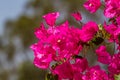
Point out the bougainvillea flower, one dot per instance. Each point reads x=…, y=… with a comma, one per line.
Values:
x=64, y=71
x=92, y=5
x=44, y=54
x=80, y=65
x=117, y=35
x=59, y=46
x=61, y=38
x=114, y=66
x=112, y=8
x=118, y=20
x=77, y=76
x=41, y=33
x=50, y=18
x=42, y=63
x=103, y=56
x=95, y=74
x=77, y=16
x=88, y=31
x=111, y=30
x=67, y=71
x=109, y=12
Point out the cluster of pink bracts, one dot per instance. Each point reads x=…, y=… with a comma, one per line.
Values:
x=59, y=46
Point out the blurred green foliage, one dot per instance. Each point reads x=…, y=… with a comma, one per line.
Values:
x=117, y=77
x=4, y=75
x=28, y=71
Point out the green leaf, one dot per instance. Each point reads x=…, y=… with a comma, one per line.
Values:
x=119, y=37
x=49, y=76
x=97, y=40
x=117, y=77
x=100, y=27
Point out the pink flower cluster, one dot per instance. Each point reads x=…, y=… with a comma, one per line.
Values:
x=112, y=8
x=59, y=42
x=113, y=62
x=60, y=47
x=92, y=5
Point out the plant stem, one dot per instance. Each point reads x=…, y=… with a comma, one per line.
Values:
x=114, y=47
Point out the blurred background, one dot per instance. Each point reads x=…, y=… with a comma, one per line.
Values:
x=18, y=18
